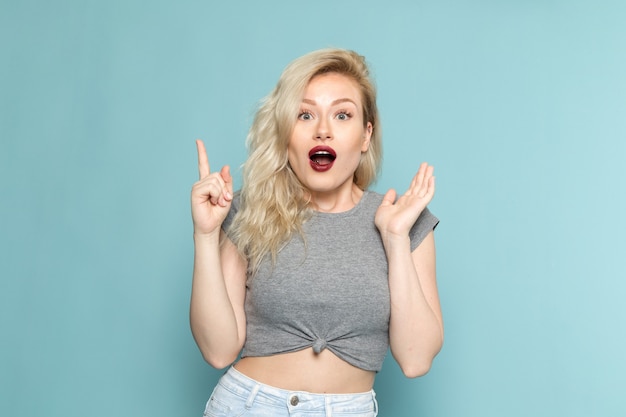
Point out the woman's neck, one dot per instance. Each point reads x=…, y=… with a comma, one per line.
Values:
x=337, y=201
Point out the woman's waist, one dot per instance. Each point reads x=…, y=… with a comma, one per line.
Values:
x=307, y=371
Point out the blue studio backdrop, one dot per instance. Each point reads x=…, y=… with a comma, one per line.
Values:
x=520, y=105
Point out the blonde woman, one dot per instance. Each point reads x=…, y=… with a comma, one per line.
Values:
x=306, y=273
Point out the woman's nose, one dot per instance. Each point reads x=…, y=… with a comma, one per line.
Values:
x=323, y=130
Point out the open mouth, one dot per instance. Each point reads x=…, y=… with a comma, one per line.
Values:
x=322, y=158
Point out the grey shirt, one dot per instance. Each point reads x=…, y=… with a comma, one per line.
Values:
x=328, y=293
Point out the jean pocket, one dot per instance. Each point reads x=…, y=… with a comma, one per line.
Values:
x=224, y=404
x=363, y=406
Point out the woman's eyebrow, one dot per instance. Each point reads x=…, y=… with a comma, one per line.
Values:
x=338, y=101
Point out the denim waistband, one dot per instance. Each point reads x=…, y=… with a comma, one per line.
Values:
x=252, y=391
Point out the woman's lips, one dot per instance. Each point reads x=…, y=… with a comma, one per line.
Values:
x=322, y=158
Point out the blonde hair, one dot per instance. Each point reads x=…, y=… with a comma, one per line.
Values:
x=274, y=203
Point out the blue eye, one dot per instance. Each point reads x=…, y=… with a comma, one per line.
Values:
x=344, y=116
x=305, y=115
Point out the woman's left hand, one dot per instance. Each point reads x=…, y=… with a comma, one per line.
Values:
x=394, y=219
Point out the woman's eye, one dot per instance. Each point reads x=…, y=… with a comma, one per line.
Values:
x=305, y=115
x=343, y=116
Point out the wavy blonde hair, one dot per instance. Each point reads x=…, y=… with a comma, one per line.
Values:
x=274, y=203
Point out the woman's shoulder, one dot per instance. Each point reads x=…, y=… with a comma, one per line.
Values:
x=371, y=198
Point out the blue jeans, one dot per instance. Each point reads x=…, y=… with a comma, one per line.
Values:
x=236, y=395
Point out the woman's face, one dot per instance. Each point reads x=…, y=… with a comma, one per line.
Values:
x=330, y=134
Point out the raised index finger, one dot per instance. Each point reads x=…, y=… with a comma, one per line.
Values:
x=203, y=160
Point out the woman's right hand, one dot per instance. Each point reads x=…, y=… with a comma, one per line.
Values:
x=211, y=196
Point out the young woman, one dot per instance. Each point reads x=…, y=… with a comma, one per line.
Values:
x=306, y=273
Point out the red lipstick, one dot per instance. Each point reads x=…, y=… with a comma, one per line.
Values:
x=322, y=158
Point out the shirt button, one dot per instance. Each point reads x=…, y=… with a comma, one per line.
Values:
x=294, y=400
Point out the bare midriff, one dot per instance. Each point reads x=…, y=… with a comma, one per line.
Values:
x=305, y=370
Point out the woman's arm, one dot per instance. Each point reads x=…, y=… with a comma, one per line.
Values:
x=217, y=317
x=416, y=324
x=216, y=313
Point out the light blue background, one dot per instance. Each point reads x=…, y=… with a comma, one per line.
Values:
x=520, y=105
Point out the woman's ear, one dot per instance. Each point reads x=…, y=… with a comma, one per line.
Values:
x=367, y=135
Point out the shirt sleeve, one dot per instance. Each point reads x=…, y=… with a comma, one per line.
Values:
x=425, y=223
